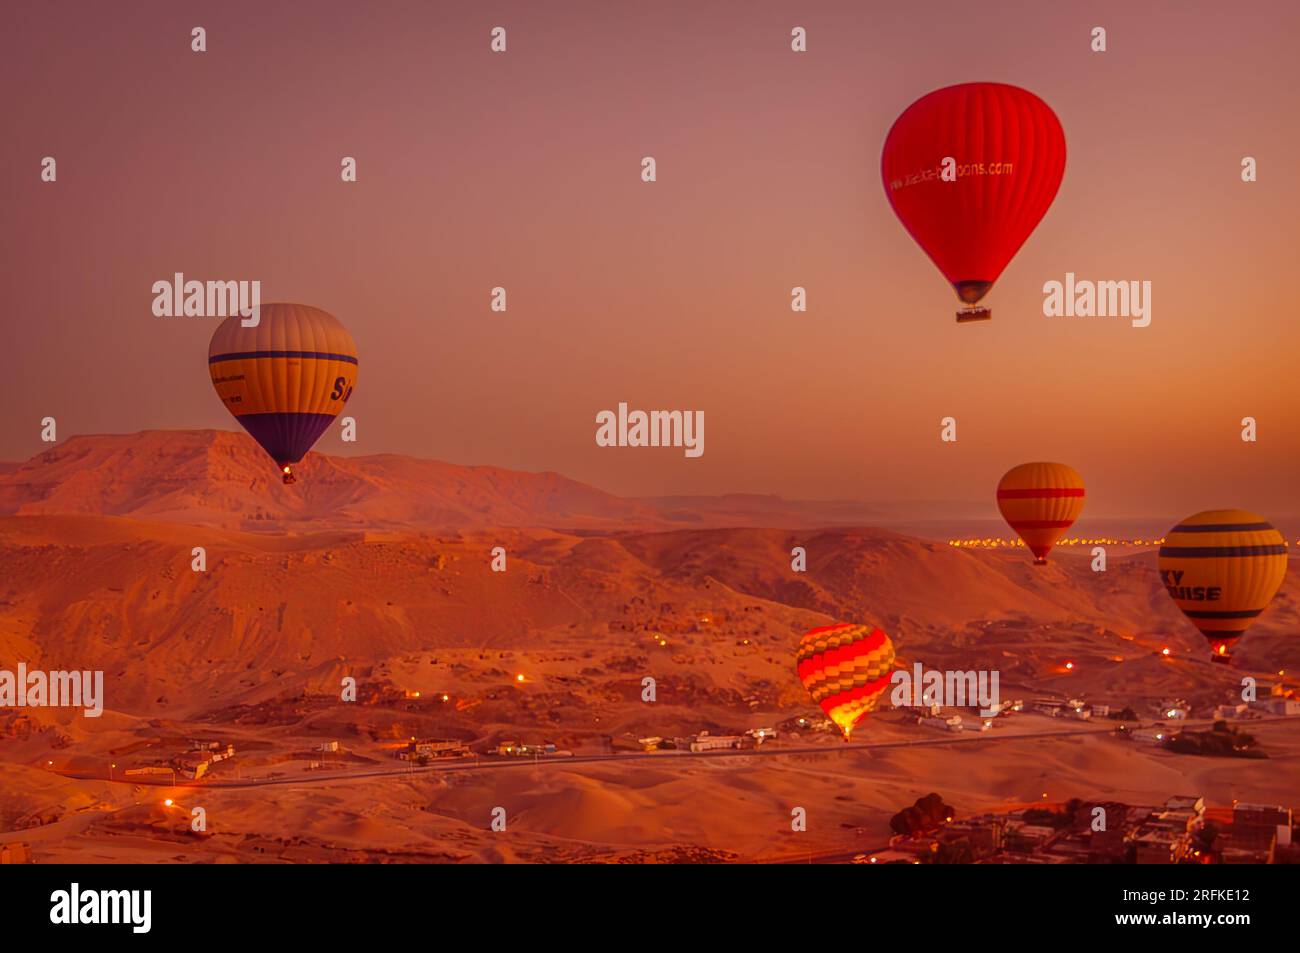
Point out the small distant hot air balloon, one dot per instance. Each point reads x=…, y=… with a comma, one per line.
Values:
x=285, y=379
x=846, y=668
x=1222, y=568
x=970, y=171
x=1040, y=501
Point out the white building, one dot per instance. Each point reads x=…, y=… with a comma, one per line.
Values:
x=707, y=742
x=1278, y=705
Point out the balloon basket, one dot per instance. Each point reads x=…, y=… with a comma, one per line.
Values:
x=973, y=314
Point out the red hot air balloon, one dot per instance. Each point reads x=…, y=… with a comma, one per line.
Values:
x=970, y=171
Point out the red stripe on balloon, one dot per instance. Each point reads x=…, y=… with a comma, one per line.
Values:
x=853, y=694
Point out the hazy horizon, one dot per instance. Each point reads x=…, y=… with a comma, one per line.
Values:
x=923, y=518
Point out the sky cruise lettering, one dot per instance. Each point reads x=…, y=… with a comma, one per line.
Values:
x=1196, y=593
x=1173, y=581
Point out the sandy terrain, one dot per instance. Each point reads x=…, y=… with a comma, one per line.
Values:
x=95, y=573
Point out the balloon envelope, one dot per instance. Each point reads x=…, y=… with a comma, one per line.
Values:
x=1040, y=501
x=1222, y=568
x=285, y=379
x=846, y=668
x=1008, y=156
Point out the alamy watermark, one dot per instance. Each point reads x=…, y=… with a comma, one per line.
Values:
x=55, y=689
x=1081, y=298
x=922, y=688
x=208, y=299
x=654, y=428
x=133, y=908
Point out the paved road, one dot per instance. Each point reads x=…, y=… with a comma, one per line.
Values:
x=770, y=750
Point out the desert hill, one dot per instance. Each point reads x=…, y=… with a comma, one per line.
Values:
x=379, y=568
x=368, y=560
x=217, y=478
x=220, y=478
x=120, y=595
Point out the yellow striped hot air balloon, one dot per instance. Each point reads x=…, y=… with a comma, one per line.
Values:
x=284, y=379
x=846, y=668
x=1040, y=501
x=1222, y=568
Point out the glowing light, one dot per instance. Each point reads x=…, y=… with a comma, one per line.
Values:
x=1165, y=650
x=1069, y=666
x=519, y=678
x=995, y=542
x=168, y=802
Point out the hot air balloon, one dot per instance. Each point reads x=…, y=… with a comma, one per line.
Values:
x=1040, y=501
x=284, y=379
x=970, y=171
x=846, y=668
x=1222, y=568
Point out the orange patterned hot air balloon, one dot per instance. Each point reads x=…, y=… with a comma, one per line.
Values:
x=1040, y=501
x=846, y=668
x=1222, y=568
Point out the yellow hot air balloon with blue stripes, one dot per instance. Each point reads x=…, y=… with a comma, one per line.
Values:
x=285, y=378
x=1222, y=568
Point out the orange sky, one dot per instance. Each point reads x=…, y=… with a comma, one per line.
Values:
x=522, y=170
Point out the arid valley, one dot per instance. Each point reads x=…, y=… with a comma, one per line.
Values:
x=380, y=570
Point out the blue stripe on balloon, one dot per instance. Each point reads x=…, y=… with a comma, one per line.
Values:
x=286, y=437
x=315, y=355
